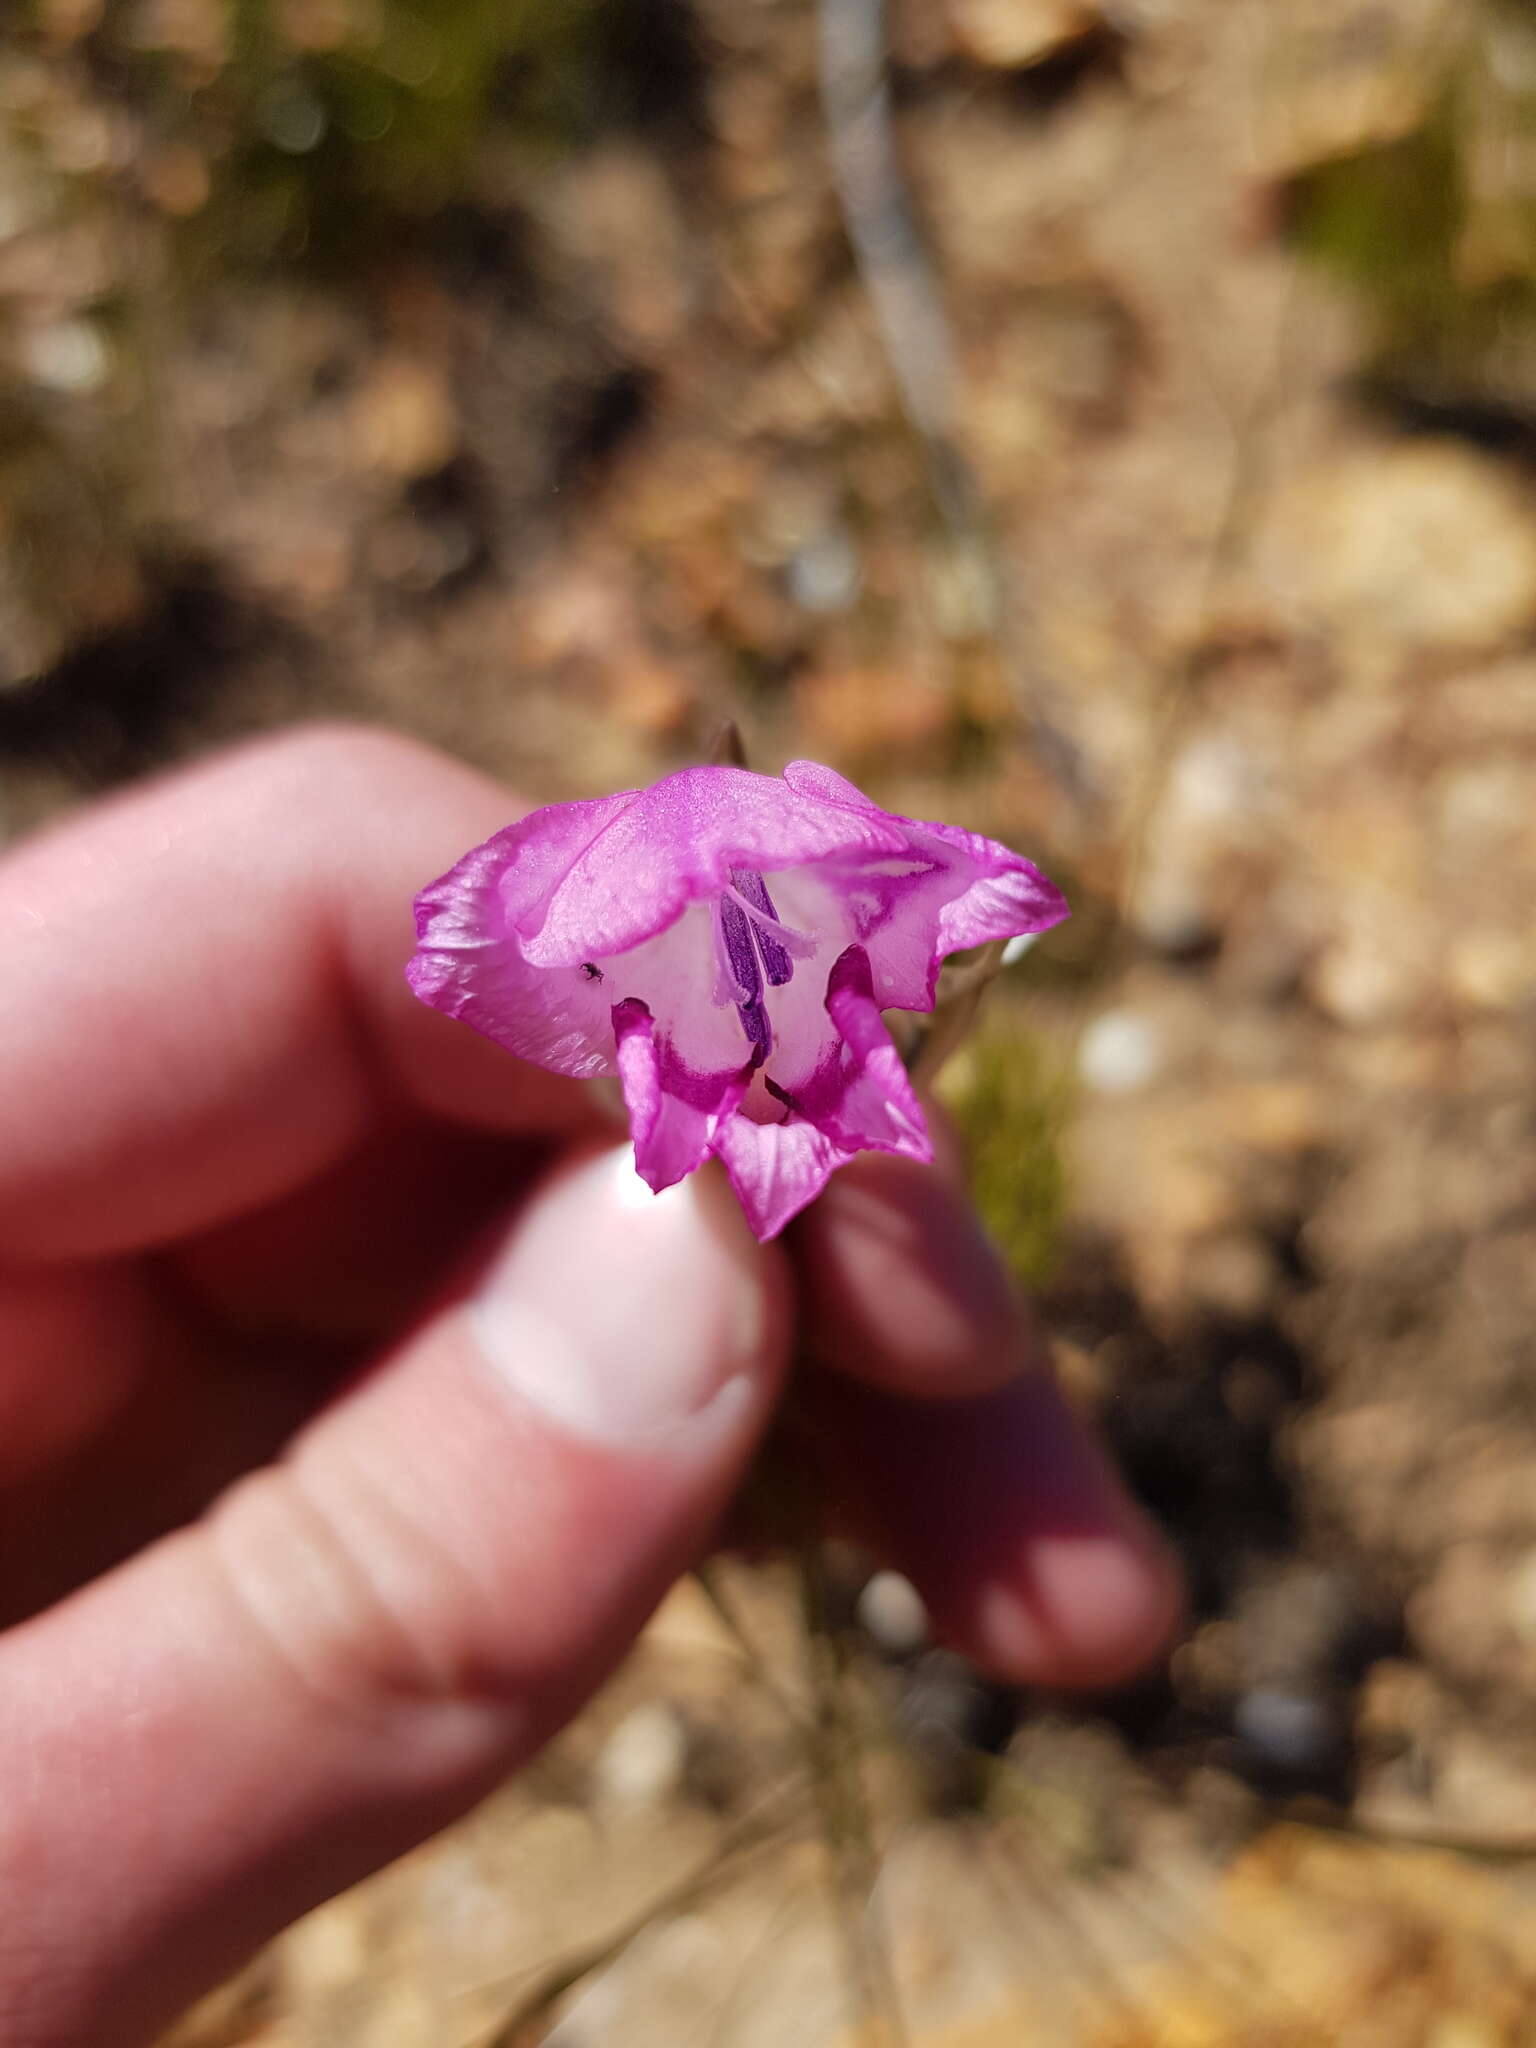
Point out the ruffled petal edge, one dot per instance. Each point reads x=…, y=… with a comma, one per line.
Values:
x=997, y=893
x=860, y=1100
x=468, y=964
x=677, y=1116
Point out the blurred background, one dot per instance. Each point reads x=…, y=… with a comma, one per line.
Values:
x=1109, y=426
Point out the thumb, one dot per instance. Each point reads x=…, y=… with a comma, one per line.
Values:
x=359, y=1642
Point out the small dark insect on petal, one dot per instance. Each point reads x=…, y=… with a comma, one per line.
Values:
x=592, y=973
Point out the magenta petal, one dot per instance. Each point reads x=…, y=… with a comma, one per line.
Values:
x=776, y=1169
x=1005, y=897
x=469, y=965
x=537, y=852
x=863, y=1099
x=952, y=890
x=675, y=1114
x=810, y=778
x=858, y=1100
x=676, y=843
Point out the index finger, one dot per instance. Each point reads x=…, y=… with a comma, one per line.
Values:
x=203, y=1004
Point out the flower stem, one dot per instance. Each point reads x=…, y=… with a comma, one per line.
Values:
x=832, y=1748
x=783, y=1507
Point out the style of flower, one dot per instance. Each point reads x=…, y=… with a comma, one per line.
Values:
x=724, y=942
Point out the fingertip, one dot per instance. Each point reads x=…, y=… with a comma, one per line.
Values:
x=1008, y=1517
x=1077, y=1613
x=1055, y=1576
x=621, y=1314
x=903, y=1288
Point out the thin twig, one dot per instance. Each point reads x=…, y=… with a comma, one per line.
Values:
x=894, y=267
x=707, y=1578
x=768, y=1825
x=1242, y=497
x=832, y=1753
x=907, y=301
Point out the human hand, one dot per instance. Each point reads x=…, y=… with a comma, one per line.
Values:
x=357, y=1403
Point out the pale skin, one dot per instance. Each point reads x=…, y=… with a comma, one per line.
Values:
x=353, y=1411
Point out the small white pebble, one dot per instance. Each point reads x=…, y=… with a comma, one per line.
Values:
x=642, y=1762
x=1119, y=1053
x=892, y=1614
x=825, y=574
x=1214, y=778
x=70, y=355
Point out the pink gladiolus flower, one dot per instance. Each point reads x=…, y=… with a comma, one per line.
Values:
x=724, y=943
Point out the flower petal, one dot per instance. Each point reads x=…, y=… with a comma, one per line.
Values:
x=676, y=1113
x=811, y=778
x=536, y=853
x=863, y=1098
x=675, y=975
x=856, y=1098
x=1007, y=894
x=677, y=842
x=776, y=1169
x=951, y=889
x=469, y=965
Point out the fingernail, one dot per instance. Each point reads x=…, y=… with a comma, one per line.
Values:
x=618, y=1313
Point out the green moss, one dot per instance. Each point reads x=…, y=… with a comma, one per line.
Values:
x=1010, y=1099
x=1390, y=219
x=321, y=148
x=1443, y=253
